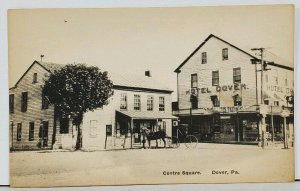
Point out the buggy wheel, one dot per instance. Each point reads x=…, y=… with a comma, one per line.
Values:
x=191, y=141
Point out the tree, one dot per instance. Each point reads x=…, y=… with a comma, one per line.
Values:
x=76, y=89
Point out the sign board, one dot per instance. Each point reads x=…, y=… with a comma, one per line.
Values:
x=285, y=113
x=263, y=109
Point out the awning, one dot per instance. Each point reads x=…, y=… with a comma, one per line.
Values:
x=146, y=115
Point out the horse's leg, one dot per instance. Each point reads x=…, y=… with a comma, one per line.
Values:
x=164, y=142
x=148, y=143
x=156, y=143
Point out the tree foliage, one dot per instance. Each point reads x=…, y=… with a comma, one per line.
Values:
x=76, y=89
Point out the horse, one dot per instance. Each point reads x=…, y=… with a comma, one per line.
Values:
x=153, y=136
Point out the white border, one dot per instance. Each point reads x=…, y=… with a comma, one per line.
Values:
x=10, y=4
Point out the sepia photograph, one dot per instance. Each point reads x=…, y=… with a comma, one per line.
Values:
x=127, y=96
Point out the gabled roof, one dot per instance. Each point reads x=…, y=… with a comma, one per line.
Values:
x=49, y=67
x=177, y=70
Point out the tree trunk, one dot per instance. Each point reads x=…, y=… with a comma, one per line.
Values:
x=54, y=127
x=79, y=138
x=77, y=122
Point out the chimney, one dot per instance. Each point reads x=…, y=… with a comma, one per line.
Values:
x=147, y=73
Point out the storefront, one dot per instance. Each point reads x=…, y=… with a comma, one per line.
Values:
x=129, y=124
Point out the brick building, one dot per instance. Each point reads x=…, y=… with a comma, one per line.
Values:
x=219, y=99
x=137, y=101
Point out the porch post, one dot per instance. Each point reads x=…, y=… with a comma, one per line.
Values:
x=272, y=123
x=131, y=129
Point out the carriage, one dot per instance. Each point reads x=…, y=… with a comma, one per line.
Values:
x=182, y=136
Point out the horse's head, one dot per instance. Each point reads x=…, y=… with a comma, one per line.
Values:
x=145, y=130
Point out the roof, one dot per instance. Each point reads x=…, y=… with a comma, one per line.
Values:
x=147, y=115
x=49, y=67
x=277, y=62
x=120, y=81
x=137, y=81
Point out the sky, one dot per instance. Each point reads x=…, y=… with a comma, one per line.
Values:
x=132, y=40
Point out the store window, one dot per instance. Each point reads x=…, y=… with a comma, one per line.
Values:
x=204, y=58
x=236, y=75
x=225, y=53
x=215, y=78
x=194, y=80
x=123, y=101
x=137, y=102
x=161, y=105
x=31, y=131
x=149, y=103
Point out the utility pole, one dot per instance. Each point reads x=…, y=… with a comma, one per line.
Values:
x=262, y=128
x=261, y=50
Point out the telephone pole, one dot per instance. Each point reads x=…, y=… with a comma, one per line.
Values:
x=262, y=126
x=261, y=50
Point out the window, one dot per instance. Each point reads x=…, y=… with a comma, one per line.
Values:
x=19, y=131
x=34, y=80
x=164, y=126
x=215, y=101
x=11, y=103
x=194, y=81
x=45, y=101
x=266, y=102
x=286, y=80
x=276, y=80
x=237, y=100
x=31, y=131
x=93, y=128
x=64, y=125
x=24, y=101
x=123, y=101
x=137, y=102
x=225, y=54
x=215, y=78
x=236, y=75
x=161, y=105
x=194, y=101
x=276, y=77
x=149, y=103
x=109, y=130
x=204, y=58
x=276, y=103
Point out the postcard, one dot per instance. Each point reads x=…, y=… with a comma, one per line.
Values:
x=119, y=96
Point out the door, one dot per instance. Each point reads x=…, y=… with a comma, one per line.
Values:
x=43, y=134
x=136, y=132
